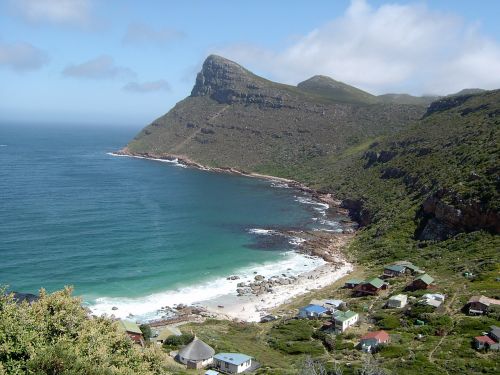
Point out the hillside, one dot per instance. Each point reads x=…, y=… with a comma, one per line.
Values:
x=234, y=118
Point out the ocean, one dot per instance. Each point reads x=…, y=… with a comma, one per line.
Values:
x=134, y=233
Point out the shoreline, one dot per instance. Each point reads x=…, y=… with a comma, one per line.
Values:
x=256, y=303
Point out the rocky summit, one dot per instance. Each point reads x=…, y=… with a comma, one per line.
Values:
x=234, y=118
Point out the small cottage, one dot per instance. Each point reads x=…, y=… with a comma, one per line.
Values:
x=394, y=270
x=398, y=301
x=344, y=319
x=196, y=354
x=484, y=343
x=409, y=267
x=232, y=363
x=370, y=287
x=432, y=299
x=494, y=333
x=480, y=304
x=422, y=282
x=132, y=330
x=372, y=340
x=352, y=283
x=312, y=312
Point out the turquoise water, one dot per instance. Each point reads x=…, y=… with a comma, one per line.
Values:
x=117, y=227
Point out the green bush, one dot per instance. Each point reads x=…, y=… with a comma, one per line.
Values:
x=174, y=342
x=146, y=331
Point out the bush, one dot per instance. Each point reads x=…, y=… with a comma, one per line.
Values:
x=393, y=351
x=146, y=331
x=174, y=342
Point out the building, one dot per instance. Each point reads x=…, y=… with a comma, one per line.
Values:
x=132, y=330
x=352, y=283
x=422, y=282
x=373, y=340
x=394, y=270
x=211, y=372
x=480, y=304
x=484, y=343
x=329, y=304
x=432, y=299
x=232, y=363
x=344, y=319
x=312, y=311
x=370, y=287
x=196, y=354
x=494, y=333
x=409, y=267
x=398, y=301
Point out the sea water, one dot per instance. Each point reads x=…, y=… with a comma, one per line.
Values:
x=134, y=233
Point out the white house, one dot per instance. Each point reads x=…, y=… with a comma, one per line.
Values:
x=312, y=311
x=398, y=301
x=232, y=363
x=344, y=320
x=433, y=299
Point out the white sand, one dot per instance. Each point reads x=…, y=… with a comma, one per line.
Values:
x=252, y=308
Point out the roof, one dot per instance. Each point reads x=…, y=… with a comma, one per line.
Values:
x=484, y=300
x=399, y=297
x=432, y=302
x=129, y=326
x=378, y=335
x=495, y=331
x=344, y=315
x=425, y=278
x=412, y=267
x=211, y=372
x=315, y=309
x=395, y=267
x=334, y=302
x=484, y=340
x=197, y=350
x=354, y=281
x=376, y=282
x=233, y=358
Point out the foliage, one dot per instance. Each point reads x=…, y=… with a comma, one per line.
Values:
x=146, y=331
x=54, y=335
x=175, y=342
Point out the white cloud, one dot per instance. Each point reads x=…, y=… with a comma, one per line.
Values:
x=72, y=12
x=22, y=57
x=390, y=48
x=145, y=87
x=140, y=34
x=102, y=67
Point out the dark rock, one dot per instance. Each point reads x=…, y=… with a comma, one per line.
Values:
x=392, y=172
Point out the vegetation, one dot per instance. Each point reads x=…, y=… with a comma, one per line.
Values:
x=55, y=335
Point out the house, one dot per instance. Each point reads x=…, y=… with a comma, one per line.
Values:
x=329, y=304
x=160, y=336
x=410, y=267
x=352, y=283
x=494, y=333
x=344, y=319
x=370, y=287
x=312, y=311
x=372, y=340
x=132, y=330
x=484, y=342
x=422, y=282
x=232, y=363
x=432, y=299
x=480, y=304
x=196, y=354
x=398, y=301
x=394, y=270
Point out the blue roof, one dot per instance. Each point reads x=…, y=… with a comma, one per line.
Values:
x=233, y=358
x=315, y=309
x=211, y=372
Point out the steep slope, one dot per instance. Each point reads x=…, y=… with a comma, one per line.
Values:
x=234, y=118
x=335, y=90
x=407, y=99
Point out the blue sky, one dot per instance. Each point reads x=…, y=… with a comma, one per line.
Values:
x=128, y=62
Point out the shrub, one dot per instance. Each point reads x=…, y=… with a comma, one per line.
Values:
x=174, y=342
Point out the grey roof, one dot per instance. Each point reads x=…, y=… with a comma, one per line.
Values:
x=395, y=267
x=197, y=350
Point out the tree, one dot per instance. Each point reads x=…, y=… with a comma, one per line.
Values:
x=146, y=331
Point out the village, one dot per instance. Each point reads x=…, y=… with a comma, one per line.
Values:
x=355, y=318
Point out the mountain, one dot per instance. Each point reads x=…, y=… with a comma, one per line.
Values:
x=236, y=119
x=407, y=99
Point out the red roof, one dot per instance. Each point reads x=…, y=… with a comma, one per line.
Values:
x=484, y=340
x=380, y=336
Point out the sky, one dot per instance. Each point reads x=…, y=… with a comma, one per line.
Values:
x=125, y=62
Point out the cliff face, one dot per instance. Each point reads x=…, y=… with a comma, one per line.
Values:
x=234, y=118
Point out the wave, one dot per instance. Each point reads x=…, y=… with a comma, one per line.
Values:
x=149, y=307
x=3, y=145
x=263, y=232
x=173, y=161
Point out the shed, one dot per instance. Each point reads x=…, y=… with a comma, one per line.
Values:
x=352, y=283
x=370, y=287
x=484, y=342
x=422, y=282
x=480, y=304
x=433, y=299
x=372, y=340
x=398, y=301
x=312, y=311
x=132, y=330
x=394, y=270
x=196, y=354
x=233, y=363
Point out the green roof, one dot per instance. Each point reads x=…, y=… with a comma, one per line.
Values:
x=395, y=267
x=413, y=267
x=344, y=315
x=425, y=278
x=376, y=282
x=129, y=326
x=354, y=281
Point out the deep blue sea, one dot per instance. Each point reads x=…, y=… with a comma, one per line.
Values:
x=133, y=232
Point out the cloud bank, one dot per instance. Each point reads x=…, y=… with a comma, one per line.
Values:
x=69, y=12
x=102, y=67
x=146, y=87
x=142, y=34
x=21, y=57
x=390, y=48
